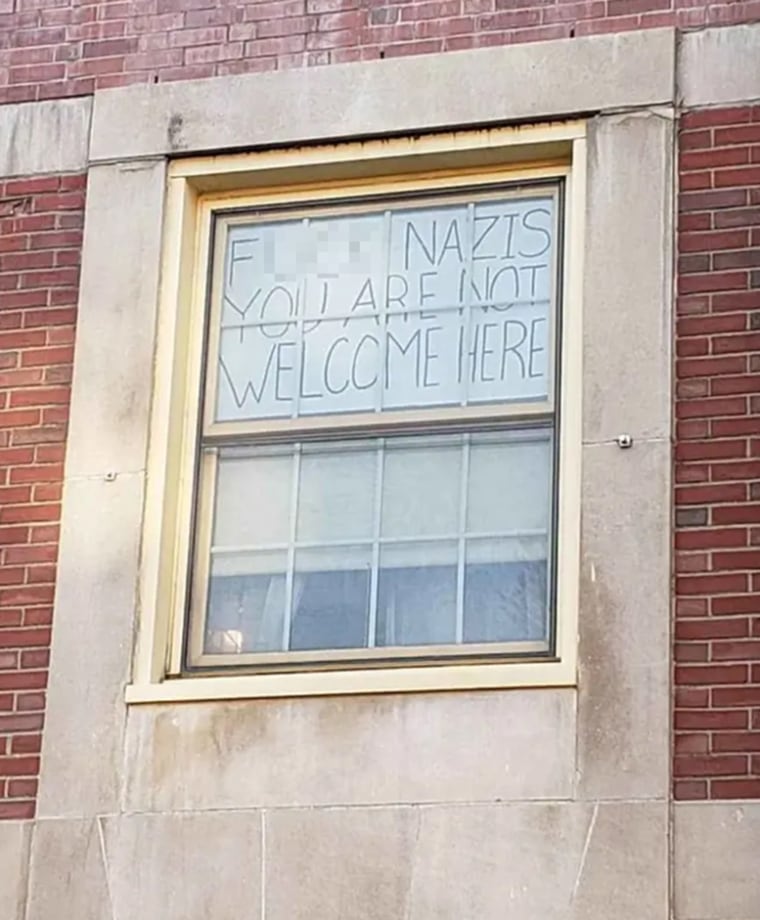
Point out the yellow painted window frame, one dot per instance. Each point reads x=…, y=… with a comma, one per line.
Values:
x=199, y=186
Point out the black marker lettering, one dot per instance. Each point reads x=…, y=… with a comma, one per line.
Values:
x=326, y=370
x=401, y=281
x=507, y=272
x=537, y=229
x=508, y=252
x=533, y=271
x=452, y=242
x=430, y=356
x=249, y=389
x=511, y=348
x=354, y=381
x=281, y=368
x=277, y=331
x=403, y=349
x=365, y=298
x=429, y=253
x=492, y=220
x=426, y=295
x=485, y=351
x=533, y=349
x=301, y=392
x=237, y=247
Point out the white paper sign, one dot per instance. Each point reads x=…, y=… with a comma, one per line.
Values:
x=431, y=306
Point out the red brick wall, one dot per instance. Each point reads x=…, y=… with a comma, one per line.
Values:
x=717, y=674
x=40, y=242
x=70, y=47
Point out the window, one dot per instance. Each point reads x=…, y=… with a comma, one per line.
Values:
x=427, y=534
x=373, y=470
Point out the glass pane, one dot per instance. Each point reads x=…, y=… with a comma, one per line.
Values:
x=454, y=548
x=421, y=486
x=331, y=598
x=246, y=603
x=257, y=371
x=389, y=308
x=336, y=494
x=417, y=594
x=253, y=495
x=509, y=487
x=505, y=590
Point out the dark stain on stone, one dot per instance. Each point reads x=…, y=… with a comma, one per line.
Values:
x=174, y=132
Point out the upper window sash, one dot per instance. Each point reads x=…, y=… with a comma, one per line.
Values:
x=383, y=313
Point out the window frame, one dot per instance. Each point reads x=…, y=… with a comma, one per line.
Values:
x=200, y=187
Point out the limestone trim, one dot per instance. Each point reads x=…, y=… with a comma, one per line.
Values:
x=715, y=859
x=526, y=82
x=179, y=350
x=44, y=137
x=719, y=66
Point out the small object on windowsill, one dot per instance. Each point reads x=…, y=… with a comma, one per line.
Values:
x=624, y=441
x=225, y=642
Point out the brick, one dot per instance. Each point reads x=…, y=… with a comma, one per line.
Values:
x=16, y=811
x=711, y=675
x=729, y=492
x=737, y=217
x=736, y=135
x=707, y=325
x=716, y=117
x=730, y=742
x=732, y=651
x=737, y=514
x=26, y=638
x=22, y=788
x=710, y=765
x=711, y=367
x=712, y=200
x=711, y=719
x=691, y=744
x=741, y=176
x=690, y=790
x=735, y=789
x=725, y=344
x=24, y=722
x=736, y=696
x=704, y=408
x=734, y=605
x=691, y=517
x=19, y=766
x=712, y=158
x=711, y=628
x=697, y=697
x=744, y=258
x=743, y=383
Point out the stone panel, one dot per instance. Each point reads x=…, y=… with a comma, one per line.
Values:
x=527, y=81
x=719, y=66
x=556, y=861
x=118, y=302
x=67, y=872
x=82, y=757
x=14, y=857
x=717, y=860
x=185, y=867
x=624, y=643
x=627, y=313
x=465, y=746
x=44, y=137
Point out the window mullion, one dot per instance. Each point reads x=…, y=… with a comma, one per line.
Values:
x=375, y=573
x=290, y=572
x=461, y=543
